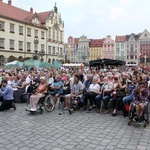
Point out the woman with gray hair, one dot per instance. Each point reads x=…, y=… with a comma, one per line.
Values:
x=93, y=91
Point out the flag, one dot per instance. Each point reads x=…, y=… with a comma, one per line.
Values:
x=75, y=48
x=140, y=56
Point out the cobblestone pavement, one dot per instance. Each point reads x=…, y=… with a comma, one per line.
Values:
x=51, y=131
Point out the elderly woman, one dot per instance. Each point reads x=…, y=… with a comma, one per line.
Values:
x=106, y=95
x=41, y=89
x=93, y=91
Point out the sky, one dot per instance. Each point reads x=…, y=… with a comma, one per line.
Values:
x=96, y=18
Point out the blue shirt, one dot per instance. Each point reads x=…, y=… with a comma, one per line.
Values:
x=56, y=84
x=7, y=93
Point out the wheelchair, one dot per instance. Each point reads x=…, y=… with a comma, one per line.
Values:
x=145, y=117
x=46, y=102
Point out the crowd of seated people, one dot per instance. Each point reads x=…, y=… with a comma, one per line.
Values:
x=112, y=88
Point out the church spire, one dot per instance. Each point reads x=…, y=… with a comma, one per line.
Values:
x=55, y=8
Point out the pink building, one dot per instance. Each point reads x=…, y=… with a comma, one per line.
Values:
x=108, y=48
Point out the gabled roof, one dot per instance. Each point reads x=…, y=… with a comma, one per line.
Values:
x=20, y=15
x=96, y=42
x=76, y=40
x=120, y=38
x=43, y=16
x=136, y=36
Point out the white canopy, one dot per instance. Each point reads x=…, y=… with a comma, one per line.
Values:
x=73, y=65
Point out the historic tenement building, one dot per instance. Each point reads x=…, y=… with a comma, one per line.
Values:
x=108, y=48
x=132, y=48
x=83, y=50
x=144, y=41
x=96, y=46
x=120, y=44
x=25, y=34
x=71, y=48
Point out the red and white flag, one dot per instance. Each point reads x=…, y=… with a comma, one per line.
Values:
x=140, y=56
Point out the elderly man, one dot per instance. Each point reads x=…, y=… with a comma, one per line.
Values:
x=7, y=92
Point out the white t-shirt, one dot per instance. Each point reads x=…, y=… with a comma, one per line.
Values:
x=94, y=87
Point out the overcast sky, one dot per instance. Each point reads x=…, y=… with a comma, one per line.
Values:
x=96, y=18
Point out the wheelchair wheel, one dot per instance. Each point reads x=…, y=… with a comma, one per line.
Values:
x=49, y=103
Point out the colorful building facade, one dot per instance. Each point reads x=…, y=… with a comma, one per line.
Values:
x=95, y=51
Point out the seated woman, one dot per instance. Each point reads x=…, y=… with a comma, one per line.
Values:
x=57, y=88
x=106, y=94
x=93, y=91
x=67, y=85
x=20, y=89
x=40, y=90
x=119, y=95
x=140, y=100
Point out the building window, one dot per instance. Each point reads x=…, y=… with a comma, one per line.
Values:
x=42, y=35
x=2, y=43
x=49, y=49
x=12, y=28
x=36, y=47
x=53, y=50
x=42, y=47
x=61, y=40
x=2, y=26
x=20, y=45
x=21, y=30
x=61, y=51
x=53, y=34
x=57, y=35
x=49, y=33
x=12, y=44
x=36, y=33
x=28, y=46
x=28, y=31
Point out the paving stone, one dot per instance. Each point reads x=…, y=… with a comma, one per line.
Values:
x=80, y=130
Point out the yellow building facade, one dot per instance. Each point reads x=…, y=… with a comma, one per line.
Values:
x=30, y=35
x=95, y=50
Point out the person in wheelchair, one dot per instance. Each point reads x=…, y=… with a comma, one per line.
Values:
x=57, y=88
x=40, y=90
x=140, y=100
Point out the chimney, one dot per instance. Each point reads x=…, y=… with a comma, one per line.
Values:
x=9, y=2
x=31, y=10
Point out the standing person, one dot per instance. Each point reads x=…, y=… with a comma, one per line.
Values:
x=7, y=92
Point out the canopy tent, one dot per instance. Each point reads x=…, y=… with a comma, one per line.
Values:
x=15, y=63
x=45, y=65
x=72, y=65
x=57, y=64
x=101, y=62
